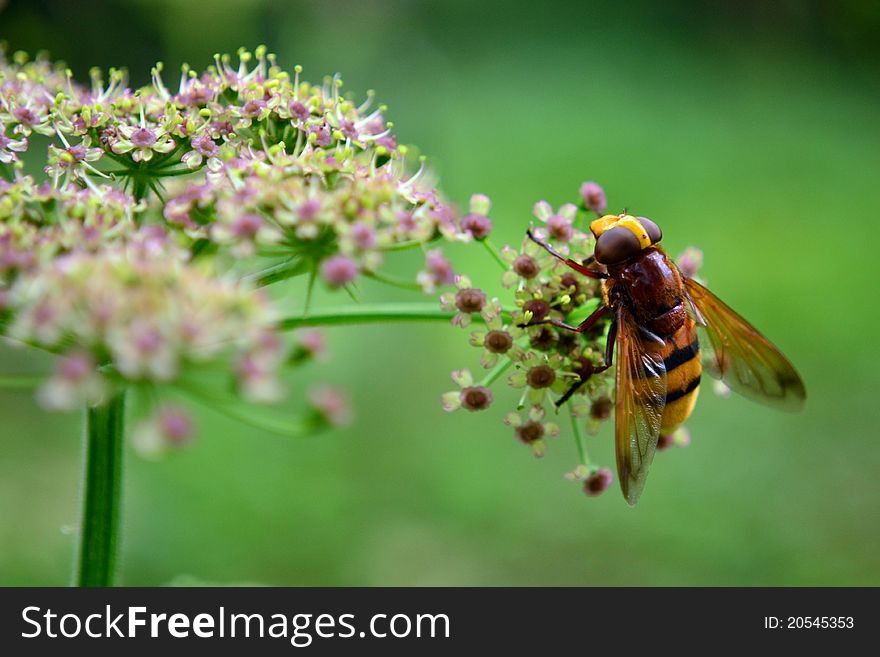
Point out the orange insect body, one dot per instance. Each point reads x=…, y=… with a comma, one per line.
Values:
x=657, y=313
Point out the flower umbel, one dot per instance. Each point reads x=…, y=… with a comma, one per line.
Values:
x=548, y=365
x=140, y=258
x=140, y=252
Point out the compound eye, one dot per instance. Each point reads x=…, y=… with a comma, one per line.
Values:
x=616, y=245
x=652, y=229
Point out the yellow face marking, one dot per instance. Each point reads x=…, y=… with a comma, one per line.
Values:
x=610, y=221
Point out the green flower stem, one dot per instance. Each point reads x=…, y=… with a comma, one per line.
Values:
x=496, y=372
x=394, y=281
x=310, y=287
x=403, y=246
x=169, y=159
x=376, y=313
x=21, y=382
x=303, y=426
x=168, y=172
x=102, y=492
x=119, y=159
x=280, y=271
x=155, y=185
x=494, y=253
x=579, y=438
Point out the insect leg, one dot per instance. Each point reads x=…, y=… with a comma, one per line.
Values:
x=585, y=325
x=578, y=267
x=568, y=393
x=609, y=348
x=609, y=359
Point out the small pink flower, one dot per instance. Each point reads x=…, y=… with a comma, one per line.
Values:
x=320, y=135
x=364, y=236
x=467, y=301
x=438, y=271
x=254, y=108
x=593, y=197
x=246, y=226
x=598, y=482
x=471, y=397
x=73, y=368
x=26, y=116
x=338, y=270
x=308, y=209
x=477, y=226
x=477, y=223
x=299, y=111
x=176, y=425
x=690, y=261
x=143, y=138
x=312, y=342
x=9, y=148
x=332, y=404
x=559, y=225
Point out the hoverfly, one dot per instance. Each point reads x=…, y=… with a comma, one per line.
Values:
x=656, y=312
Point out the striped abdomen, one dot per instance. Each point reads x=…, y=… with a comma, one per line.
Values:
x=681, y=356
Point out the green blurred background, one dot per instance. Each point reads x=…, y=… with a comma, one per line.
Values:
x=749, y=129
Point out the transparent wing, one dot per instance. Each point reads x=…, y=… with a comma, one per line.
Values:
x=640, y=392
x=735, y=352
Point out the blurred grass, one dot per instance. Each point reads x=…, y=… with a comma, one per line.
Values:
x=763, y=151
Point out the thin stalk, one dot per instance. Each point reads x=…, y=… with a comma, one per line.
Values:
x=164, y=161
x=403, y=246
x=494, y=253
x=124, y=161
x=155, y=185
x=375, y=313
x=351, y=291
x=304, y=426
x=579, y=438
x=21, y=381
x=102, y=492
x=167, y=173
x=310, y=288
x=279, y=272
x=394, y=281
x=496, y=372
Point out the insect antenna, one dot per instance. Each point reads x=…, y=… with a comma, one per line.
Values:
x=578, y=267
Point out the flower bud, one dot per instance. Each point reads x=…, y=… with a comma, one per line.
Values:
x=560, y=228
x=338, y=270
x=601, y=409
x=476, y=398
x=526, y=266
x=545, y=339
x=598, y=482
x=541, y=376
x=470, y=300
x=175, y=425
x=690, y=261
x=498, y=342
x=332, y=404
x=593, y=197
x=530, y=432
x=538, y=307
x=480, y=204
x=477, y=226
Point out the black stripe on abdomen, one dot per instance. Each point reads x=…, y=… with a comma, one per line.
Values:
x=674, y=395
x=682, y=356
